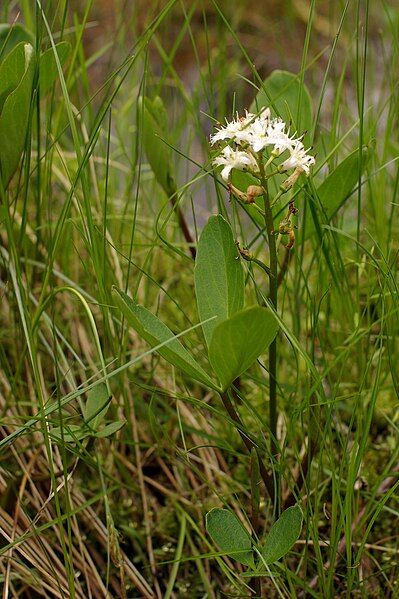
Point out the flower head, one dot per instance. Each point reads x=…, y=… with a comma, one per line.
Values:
x=234, y=130
x=238, y=159
x=298, y=159
x=270, y=134
x=249, y=135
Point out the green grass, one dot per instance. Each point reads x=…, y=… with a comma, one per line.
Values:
x=124, y=516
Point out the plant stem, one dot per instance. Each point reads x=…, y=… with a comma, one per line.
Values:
x=313, y=443
x=249, y=444
x=273, y=282
x=173, y=196
x=284, y=267
x=255, y=583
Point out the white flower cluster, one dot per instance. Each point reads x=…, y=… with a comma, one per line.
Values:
x=241, y=160
x=253, y=133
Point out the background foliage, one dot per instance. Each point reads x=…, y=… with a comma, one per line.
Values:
x=91, y=511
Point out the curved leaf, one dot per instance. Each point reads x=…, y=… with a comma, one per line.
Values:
x=158, y=152
x=334, y=191
x=48, y=66
x=110, y=429
x=238, y=341
x=70, y=433
x=230, y=535
x=97, y=404
x=283, y=534
x=11, y=36
x=218, y=275
x=14, y=119
x=12, y=70
x=154, y=331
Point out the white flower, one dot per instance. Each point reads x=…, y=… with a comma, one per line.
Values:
x=278, y=138
x=233, y=128
x=262, y=120
x=240, y=129
x=299, y=159
x=235, y=159
x=270, y=134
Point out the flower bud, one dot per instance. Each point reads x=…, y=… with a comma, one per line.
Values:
x=292, y=179
x=254, y=191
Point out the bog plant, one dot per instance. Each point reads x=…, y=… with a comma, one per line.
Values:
x=93, y=414
x=234, y=540
x=273, y=410
x=263, y=161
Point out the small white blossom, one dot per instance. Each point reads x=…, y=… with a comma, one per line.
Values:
x=299, y=159
x=233, y=129
x=240, y=129
x=270, y=134
x=261, y=121
x=238, y=159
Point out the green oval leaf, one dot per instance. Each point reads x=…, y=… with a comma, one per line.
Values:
x=238, y=341
x=12, y=70
x=14, y=119
x=48, y=65
x=158, y=152
x=283, y=534
x=110, y=429
x=154, y=331
x=11, y=36
x=230, y=535
x=70, y=433
x=334, y=191
x=289, y=99
x=96, y=406
x=218, y=274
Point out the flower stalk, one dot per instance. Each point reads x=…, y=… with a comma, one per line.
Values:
x=259, y=144
x=273, y=267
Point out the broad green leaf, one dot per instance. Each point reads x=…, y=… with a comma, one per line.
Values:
x=12, y=70
x=153, y=135
x=110, y=429
x=14, y=120
x=335, y=190
x=48, y=66
x=230, y=535
x=69, y=433
x=218, y=274
x=238, y=341
x=283, y=93
x=96, y=406
x=154, y=331
x=158, y=112
x=283, y=534
x=11, y=36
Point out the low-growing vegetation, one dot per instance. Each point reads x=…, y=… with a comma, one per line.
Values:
x=199, y=367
